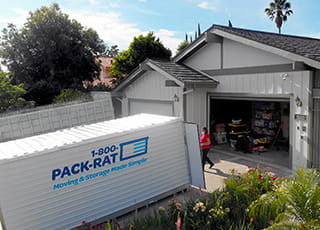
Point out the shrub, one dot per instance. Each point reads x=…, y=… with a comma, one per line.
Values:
x=11, y=96
x=242, y=189
x=251, y=201
x=207, y=214
x=68, y=95
x=292, y=204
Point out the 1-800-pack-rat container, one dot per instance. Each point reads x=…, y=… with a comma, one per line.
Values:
x=56, y=180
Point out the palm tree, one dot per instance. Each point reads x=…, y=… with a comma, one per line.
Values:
x=279, y=10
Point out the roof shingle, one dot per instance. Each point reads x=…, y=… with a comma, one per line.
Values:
x=303, y=46
x=181, y=72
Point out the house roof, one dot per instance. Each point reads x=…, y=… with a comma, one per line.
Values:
x=304, y=46
x=293, y=47
x=181, y=74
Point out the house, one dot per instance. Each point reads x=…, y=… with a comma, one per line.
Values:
x=104, y=76
x=244, y=79
x=105, y=64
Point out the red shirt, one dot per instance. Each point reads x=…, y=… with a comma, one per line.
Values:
x=203, y=139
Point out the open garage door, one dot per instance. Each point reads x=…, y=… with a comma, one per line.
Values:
x=259, y=126
x=137, y=106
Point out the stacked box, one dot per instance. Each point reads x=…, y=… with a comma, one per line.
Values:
x=220, y=138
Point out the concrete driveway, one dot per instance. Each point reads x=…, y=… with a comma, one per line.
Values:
x=226, y=161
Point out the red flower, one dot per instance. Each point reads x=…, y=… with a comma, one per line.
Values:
x=249, y=167
x=84, y=222
x=273, y=178
x=260, y=177
x=251, y=218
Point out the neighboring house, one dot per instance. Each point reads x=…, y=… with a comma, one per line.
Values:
x=270, y=81
x=104, y=78
x=105, y=62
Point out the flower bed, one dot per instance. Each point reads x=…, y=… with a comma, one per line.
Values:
x=253, y=200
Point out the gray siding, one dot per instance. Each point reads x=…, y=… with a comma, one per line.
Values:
x=151, y=86
x=315, y=157
x=234, y=55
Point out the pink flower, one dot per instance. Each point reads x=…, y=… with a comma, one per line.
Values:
x=249, y=167
x=117, y=224
x=200, y=191
x=178, y=223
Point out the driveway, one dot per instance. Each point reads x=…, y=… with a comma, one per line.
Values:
x=226, y=161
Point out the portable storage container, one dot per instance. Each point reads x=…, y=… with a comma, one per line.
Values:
x=56, y=180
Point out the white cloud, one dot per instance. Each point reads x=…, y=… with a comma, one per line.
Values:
x=142, y=0
x=207, y=6
x=168, y=40
x=19, y=19
x=94, y=2
x=108, y=25
x=113, y=31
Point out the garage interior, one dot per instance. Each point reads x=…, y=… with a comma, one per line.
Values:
x=259, y=127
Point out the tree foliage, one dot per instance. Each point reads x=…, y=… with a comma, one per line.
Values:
x=279, y=10
x=182, y=45
x=50, y=53
x=111, y=51
x=10, y=95
x=141, y=47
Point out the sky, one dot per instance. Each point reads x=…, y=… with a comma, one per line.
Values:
x=118, y=21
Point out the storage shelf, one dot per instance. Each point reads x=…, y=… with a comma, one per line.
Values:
x=237, y=133
x=236, y=126
x=263, y=127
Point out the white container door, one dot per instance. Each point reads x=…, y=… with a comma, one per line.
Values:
x=193, y=148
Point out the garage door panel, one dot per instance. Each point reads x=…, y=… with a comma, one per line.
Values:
x=151, y=106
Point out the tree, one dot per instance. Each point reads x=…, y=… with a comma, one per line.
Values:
x=182, y=45
x=10, y=95
x=199, y=30
x=50, y=53
x=140, y=48
x=279, y=10
x=111, y=51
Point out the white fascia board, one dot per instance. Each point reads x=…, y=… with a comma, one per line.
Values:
x=189, y=49
x=161, y=71
x=280, y=52
x=127, y=81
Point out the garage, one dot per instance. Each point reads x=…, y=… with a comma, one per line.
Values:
x=137, y=106
x=251, y=125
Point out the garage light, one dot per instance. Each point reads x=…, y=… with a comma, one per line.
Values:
x=175, y=98
x=284, y=76
x=298, y=101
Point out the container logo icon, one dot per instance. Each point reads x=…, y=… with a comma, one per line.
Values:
x=133, y=148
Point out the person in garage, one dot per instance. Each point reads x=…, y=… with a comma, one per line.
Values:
x=205, y=143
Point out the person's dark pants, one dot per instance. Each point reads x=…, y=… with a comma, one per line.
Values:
x=205, y=158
